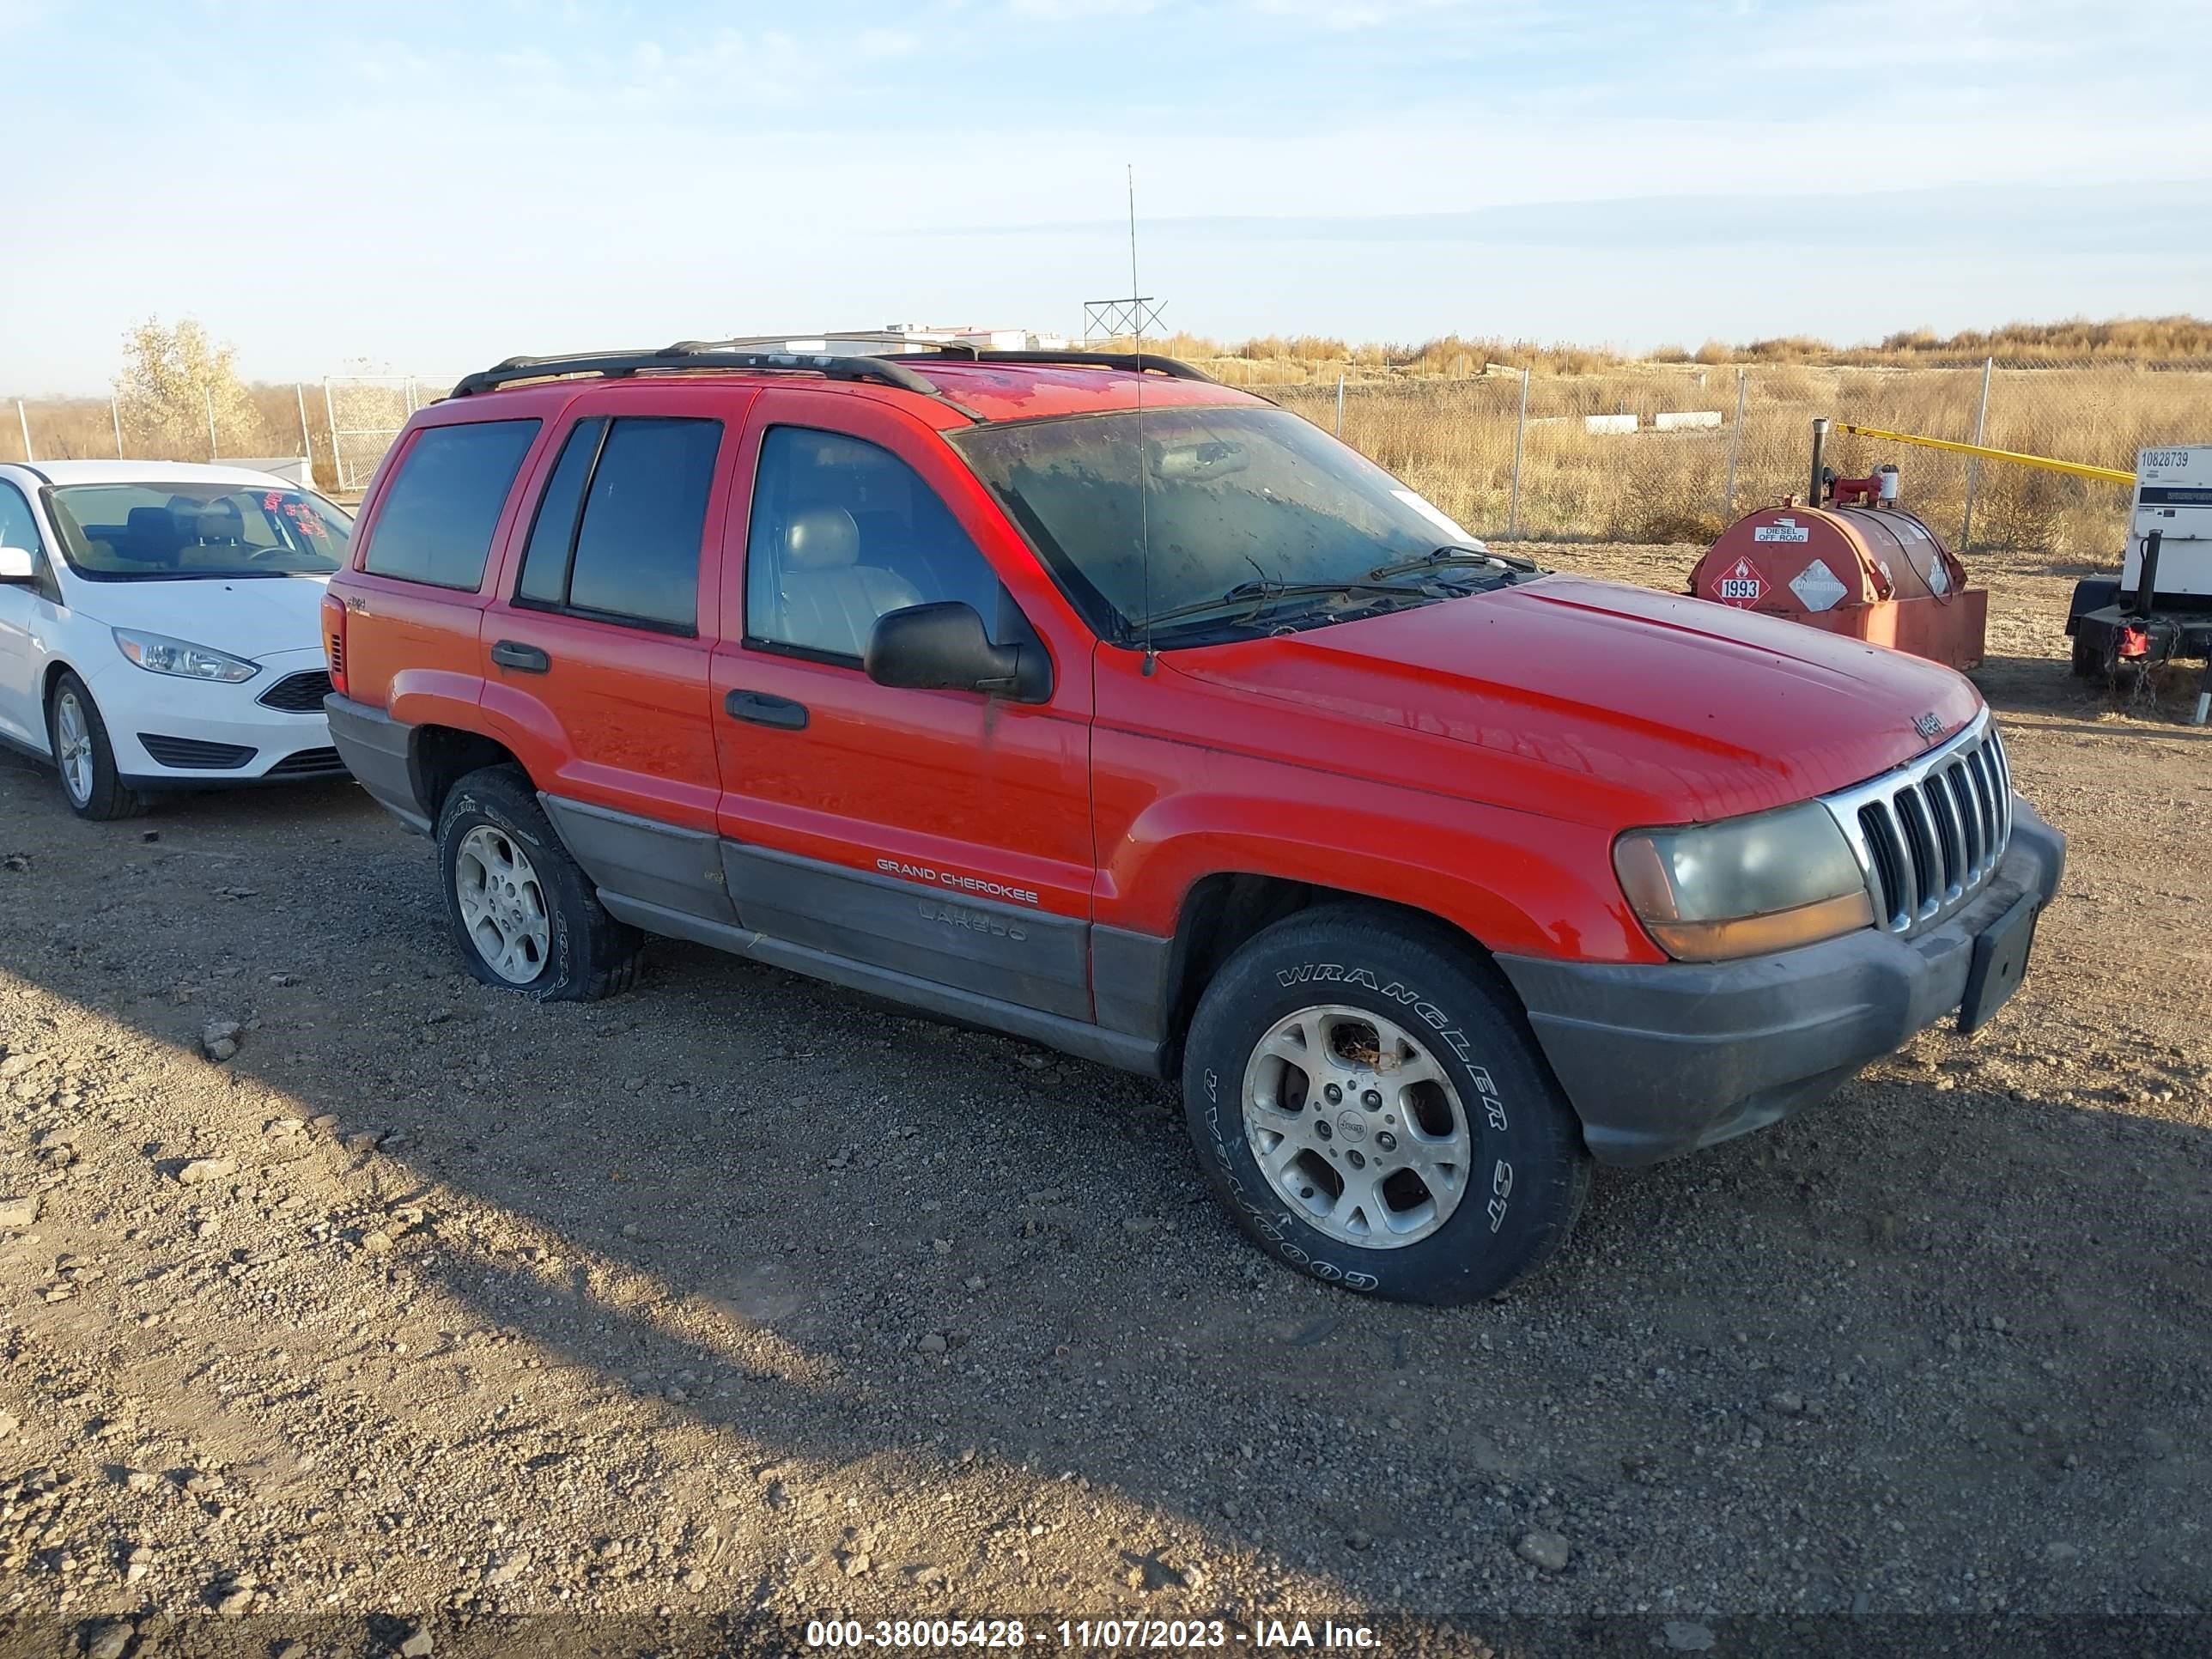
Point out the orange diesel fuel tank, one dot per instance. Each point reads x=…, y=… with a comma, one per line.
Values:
x=1877, y=573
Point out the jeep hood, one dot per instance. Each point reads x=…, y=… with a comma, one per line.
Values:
x=1665, y=708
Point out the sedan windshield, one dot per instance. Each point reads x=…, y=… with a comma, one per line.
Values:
x=1254, y=507
x=181, y=532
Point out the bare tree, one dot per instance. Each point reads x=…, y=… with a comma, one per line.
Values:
x=174, y=381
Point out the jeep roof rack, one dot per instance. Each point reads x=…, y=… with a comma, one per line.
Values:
x=1133, y=362
x=761, y=354
x=698, y=356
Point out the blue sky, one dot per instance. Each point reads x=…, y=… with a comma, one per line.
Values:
x=432, y=187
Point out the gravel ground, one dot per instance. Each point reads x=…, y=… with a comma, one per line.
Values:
x=737, y=1296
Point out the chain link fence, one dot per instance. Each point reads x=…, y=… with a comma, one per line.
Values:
x=363, y=413
x=1636, y=452
x=1661, y=453
x=341, y=425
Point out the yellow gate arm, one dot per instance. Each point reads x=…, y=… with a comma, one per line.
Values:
x=2079, y=469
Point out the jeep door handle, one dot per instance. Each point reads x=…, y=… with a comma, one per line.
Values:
x=523, y=659
x=762, y=709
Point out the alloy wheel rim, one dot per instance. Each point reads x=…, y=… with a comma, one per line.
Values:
x=1357, y=1126
x=74, y=747
x=503, y=908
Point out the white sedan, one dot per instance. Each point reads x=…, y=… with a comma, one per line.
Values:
x=160, y=627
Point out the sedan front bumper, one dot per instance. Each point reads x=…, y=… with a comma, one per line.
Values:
x=170, y=734
x=1661, y=1059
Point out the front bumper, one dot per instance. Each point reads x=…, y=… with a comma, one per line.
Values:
x=1658, y=1061
x=234, y=737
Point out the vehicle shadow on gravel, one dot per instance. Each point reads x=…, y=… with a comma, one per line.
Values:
x=1933, y=1328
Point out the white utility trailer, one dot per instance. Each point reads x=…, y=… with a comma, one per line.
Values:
x=2160, y=607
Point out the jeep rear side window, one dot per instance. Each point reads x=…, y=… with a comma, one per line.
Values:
x=632, y=554
x=553, y=534
x=844, y=531
x=436, y=523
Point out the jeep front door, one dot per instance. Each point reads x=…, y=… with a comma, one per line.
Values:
x=944, y=836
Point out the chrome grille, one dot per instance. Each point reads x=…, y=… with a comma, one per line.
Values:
x=1929, y=834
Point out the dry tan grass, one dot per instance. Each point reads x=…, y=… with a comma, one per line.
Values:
x=1441, y=414
x=1434, y=415
x=1312, y=359
x=1454, y=441
x=83, y=429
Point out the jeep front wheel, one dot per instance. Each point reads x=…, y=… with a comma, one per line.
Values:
x=1372, y=1109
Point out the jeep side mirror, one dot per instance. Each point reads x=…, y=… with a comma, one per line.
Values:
x=17, y=564
x=943, y=647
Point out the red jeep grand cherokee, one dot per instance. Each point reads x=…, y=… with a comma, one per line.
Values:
x=1082, y=698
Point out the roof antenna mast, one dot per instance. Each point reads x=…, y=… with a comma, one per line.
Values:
x=1143, y=524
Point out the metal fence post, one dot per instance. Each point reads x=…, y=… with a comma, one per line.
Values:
x=1340, y=405
x=306, y=443
x=1520, y=432
x=24, y=422
x=115, y=414
x=1735, y=447
x=214, y=449
x=1974, y=463
x=330, y=415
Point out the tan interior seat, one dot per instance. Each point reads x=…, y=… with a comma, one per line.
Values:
x=830, y=600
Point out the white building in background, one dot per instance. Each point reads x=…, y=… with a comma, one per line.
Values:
x=924, y=334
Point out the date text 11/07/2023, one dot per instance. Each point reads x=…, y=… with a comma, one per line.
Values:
x=1126, y=1635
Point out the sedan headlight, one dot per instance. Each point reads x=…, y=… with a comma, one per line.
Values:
x=157, y=653
x=1744, y=886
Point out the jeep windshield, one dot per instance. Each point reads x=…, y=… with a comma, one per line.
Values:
x=1254, y=516
x=184, y=531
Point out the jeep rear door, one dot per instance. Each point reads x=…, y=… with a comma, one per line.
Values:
x=942, y=836
x=596, y=641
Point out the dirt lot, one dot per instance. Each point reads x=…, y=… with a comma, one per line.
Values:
x=734, y=1296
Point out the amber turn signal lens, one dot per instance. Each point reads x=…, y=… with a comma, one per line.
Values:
x=1735, y=887
x=1778, y=930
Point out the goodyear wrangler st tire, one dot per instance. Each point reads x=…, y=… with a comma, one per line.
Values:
x=1367, y=1101
x=525, y=916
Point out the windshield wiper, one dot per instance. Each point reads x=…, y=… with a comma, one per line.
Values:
x=1445, y=558
x=1268, y=590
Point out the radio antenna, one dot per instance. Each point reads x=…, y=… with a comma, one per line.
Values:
x=1143, y=523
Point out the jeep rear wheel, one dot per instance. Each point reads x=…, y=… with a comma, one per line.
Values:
x=526, y=916
x=1368, y=1102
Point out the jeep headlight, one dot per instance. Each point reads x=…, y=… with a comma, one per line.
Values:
x=157, y=653
x=1742, y=886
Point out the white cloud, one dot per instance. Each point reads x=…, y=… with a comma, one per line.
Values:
x=1074, y=11
x=889, y=43
x=1345, y=17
